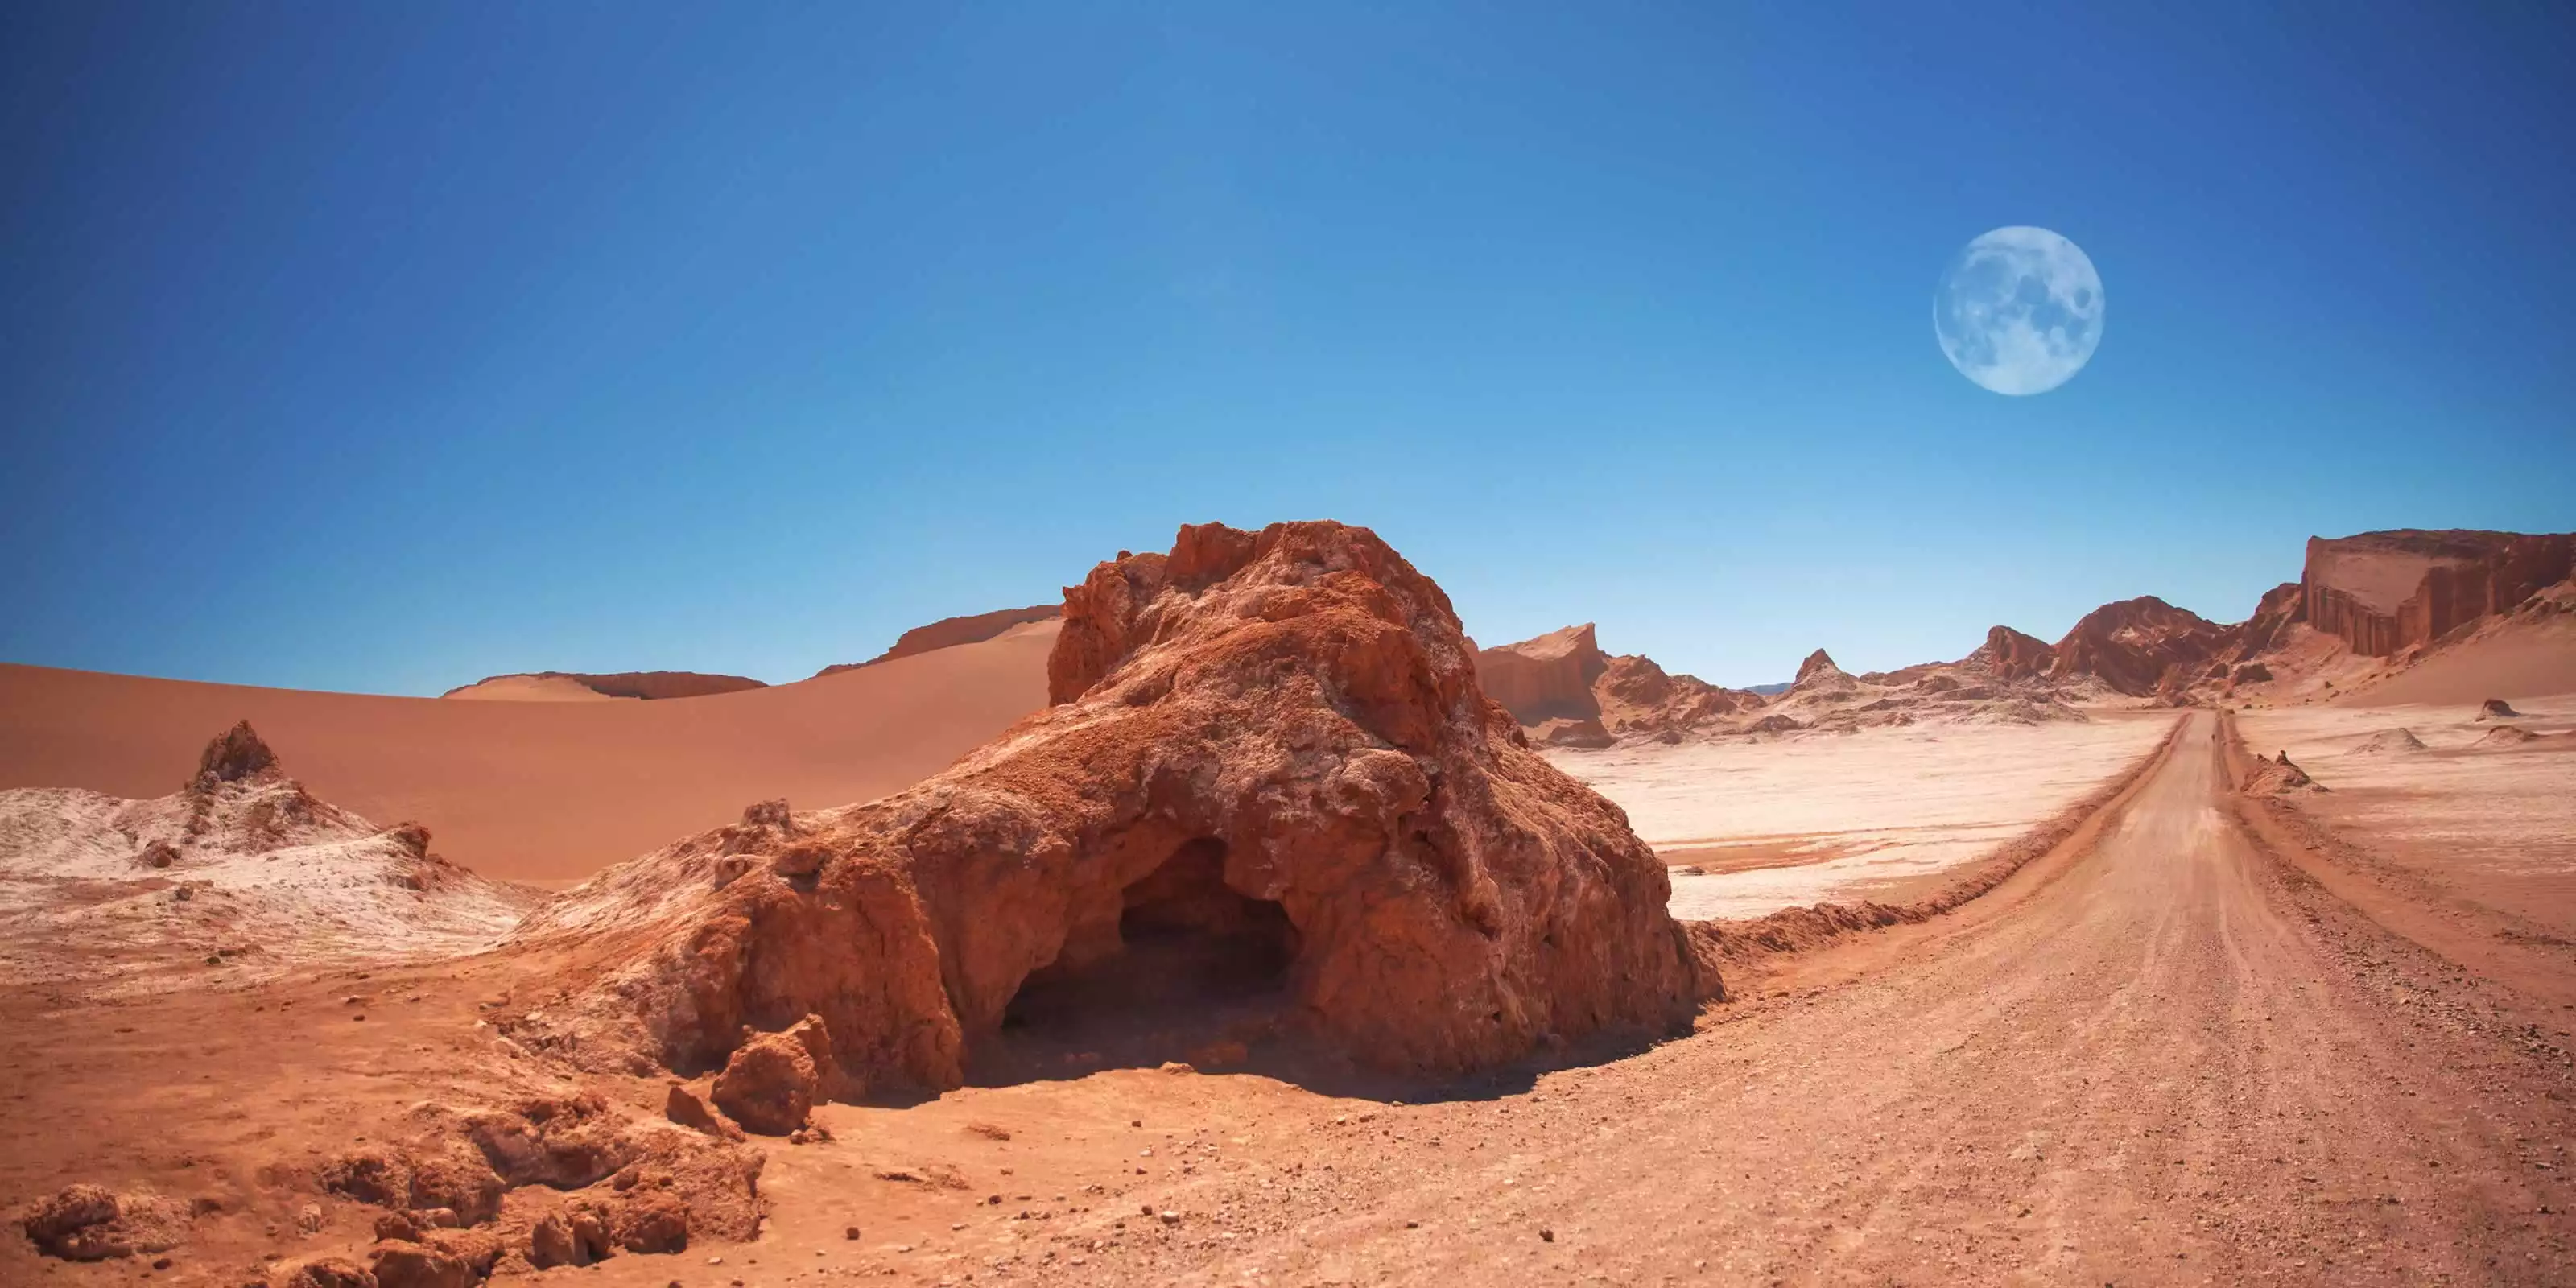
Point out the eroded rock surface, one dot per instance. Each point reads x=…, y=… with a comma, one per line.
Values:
x=1571, y=694
x=1270, y=743
x=2382, y=592
x=95, y=1223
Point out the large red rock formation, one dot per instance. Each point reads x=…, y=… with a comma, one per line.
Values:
x=1546, y=678
x=2383, y=592
x=1269, y=745
x=2131, y=644
x=951, y=631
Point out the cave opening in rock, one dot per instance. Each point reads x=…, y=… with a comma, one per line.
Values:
x=1197, y=965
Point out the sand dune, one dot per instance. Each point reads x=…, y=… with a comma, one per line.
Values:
x=2517, y=660
x=544, y=791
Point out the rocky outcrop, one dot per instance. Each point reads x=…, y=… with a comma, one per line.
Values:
x=236, y=755
x=1637, y=696
x=2129, y=646
x=241, y=868
x=2384, y=592
x=655, y=685
x=2496, y=709
x=2278, y=777
x=95, y=1223
x=555, y=1178
x=1566, y=731
x=1818, y=665
x=948, y=632
x=1268, y=750
x=1545, y=678
x=2010, y=655
x=2390, y=742
x=1564, y=688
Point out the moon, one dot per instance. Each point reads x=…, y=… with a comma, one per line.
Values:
x=2019, y=310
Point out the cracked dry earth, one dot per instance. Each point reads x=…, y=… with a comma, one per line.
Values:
x=2159, y=1055
x=2163, y=1058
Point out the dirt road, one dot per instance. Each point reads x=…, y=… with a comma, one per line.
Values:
x=2165, y=1060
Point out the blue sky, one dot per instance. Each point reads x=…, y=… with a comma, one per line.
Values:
x=383, y=347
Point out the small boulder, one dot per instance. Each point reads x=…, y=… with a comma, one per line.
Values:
x=159, y=854
x=685, y=1107
x=403, y=1264
x=769, y=1084
x=329, y=1272
x=653, y=1221
x=94, y=1223
x=370, y=1175
x=2497, y=709
x=59, y=1218
x=550, y=1243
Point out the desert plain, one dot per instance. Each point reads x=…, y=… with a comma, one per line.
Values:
x=1240, y=921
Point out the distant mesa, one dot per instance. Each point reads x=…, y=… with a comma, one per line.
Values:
x=949, y=632
x=575, y=686
x=2384, y=592
x=1546, y=678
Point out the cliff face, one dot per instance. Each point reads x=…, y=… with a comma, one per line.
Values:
x=1546, y=678
x=951, y=631
x=2383, y=592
